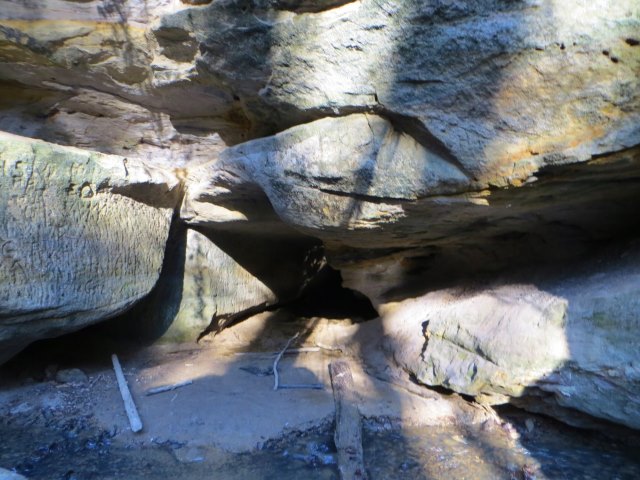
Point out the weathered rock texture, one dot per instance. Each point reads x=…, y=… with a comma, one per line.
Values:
x=420, y=141
x=221, y=274
x=389, y=209
x=213, y=283
x=501, y=86
x=567, y=342
x=99, y=121
x=82, y=237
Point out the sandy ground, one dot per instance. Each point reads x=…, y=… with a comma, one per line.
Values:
x=231, y=403
x=230, y=423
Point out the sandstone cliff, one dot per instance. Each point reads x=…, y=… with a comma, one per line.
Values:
x=416, y=146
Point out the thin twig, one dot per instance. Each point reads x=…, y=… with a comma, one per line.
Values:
x=129, y=406
x=302, y=350
x=310, y=386
x=328, y=347
x=290, y=351
x=275, y=362
x=167, y=388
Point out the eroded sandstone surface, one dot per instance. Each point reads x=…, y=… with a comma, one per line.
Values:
x=539, y=340
x=412, y=145
x=83, y=237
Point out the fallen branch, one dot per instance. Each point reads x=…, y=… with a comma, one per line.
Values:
x=275, y=362
x=348, y=434
x=290, y=351
x=167, y=388
x=330, y=348
x=309, y=386
x=129, y=406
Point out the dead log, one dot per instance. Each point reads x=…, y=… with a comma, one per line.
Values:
x=348, y=434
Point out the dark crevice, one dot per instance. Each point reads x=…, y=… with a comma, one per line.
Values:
x=324, y=296
x=297, y=6
x=274, y=260
x=366, y=198
x=421, y=134
x=150, y=318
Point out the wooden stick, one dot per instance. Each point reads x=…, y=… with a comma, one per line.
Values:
x=167, y=388
x=348, y=434
x=275, y=362
x=293, y=386
x=129, y=406
x=290, y=351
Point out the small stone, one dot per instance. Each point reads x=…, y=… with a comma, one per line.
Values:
x=190, y=454
x=9, y=475
x=71, y=375
x=530, y=424
x=24, y=407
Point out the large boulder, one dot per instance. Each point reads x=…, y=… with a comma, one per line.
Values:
x=213, y=283
x=558, y=344
x=335, y=174
x=82, y=237
x=211, y=279
x=390, y=209
x=500, y=86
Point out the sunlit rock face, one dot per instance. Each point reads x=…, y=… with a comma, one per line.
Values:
x=502, y=86
x=82, y=237
x=559, y=344
x=420, y=142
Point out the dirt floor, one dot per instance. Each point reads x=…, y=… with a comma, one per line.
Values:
x=231, y=403
x=62, y=416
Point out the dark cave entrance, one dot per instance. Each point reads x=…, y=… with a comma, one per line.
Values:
x=323, y=297
x=326, y=297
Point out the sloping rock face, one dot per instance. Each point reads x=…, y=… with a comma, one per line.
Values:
x=209, y=278
x=82, y=237
x=566, y=342
x=213, y=283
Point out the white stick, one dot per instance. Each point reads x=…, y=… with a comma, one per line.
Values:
x=129, y=406
x=167, y=388
x=275, y=363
